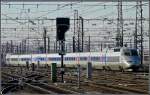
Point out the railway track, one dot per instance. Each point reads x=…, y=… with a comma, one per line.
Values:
x=117, y=88
x=8, y=89
x=123, y=77
x=51, y=89
x=118, y=84
x=104, y=87
x=32, y=82
x=123, y=82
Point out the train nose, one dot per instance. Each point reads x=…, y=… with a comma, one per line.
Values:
x=134, y=63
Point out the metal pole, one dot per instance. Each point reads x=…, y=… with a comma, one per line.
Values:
x=7, y=47
x=121, y=14
x=89, y=45
x=149, y=46
x=45, y=40
x=135, y=34
x=17, y=51
x=28, y=36
x=82, y=33
x=141, y=33
x=62, y=60
x=25, y=48
x=0, y=50
x=78, y=67
x=79, y=48
x=11, y=44
x=120, y=25
x=101, y=46
x=20, y=50
x=73, y=44
x=54, y=47
x=48, y=45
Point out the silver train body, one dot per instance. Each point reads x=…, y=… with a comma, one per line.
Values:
x=114, y=59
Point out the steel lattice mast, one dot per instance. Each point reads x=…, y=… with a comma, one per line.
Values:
x=138, y=35
x=78, y=33
x=119, y=37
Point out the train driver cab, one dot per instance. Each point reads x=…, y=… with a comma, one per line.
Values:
x=131, y=57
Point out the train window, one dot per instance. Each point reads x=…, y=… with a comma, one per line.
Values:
x=73, y=58
x=50, y=59
x=134, y=53
x=117, y=50
x=67, y=58
x=83, y=58
x=102, y=58
x=53, y=59
x=70, y=58
x=92, y=58
x=95, y=58
x=22, y=59
x=7, y=59
x=59, y=58
x=41, y=59
x=146, y=58
x=127, y=53
x=14, y=59
x=56, y=59
x=25, y=59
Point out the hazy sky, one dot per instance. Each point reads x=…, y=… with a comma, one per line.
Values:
x=15, y=29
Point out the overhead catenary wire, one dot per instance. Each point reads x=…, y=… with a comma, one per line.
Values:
x=64, y=8
x=113, y=13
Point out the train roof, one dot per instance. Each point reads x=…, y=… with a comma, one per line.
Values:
x=109, y=51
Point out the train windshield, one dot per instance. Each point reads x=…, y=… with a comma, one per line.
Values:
x=127, y=53
x=130, y=53
x=134, y=53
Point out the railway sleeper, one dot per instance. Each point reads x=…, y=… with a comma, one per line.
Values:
x=128, y=89
x=9, y=89
x=39, y=89
x=108, y=89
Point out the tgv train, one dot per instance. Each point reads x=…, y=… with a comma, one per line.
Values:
x=112, y=59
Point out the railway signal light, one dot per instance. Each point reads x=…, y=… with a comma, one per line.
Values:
x=62, y=25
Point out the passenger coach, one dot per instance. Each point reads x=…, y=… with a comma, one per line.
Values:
x=113, y=59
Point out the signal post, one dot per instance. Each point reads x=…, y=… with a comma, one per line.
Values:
x=62, y=53
x=62, y=25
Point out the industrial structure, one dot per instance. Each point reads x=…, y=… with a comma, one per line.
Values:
x=112, y=31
